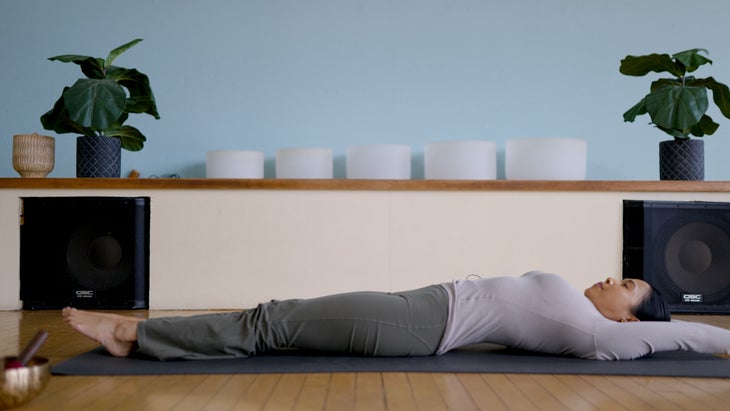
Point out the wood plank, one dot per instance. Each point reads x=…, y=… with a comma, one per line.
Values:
x=61, y=394
x=633, y=399
x=341, y=395
x=286, y=392
x=199, y=396
x=508, y=392
x=481, y=393
x=568, y=397
x=369, y=392
x=361, y=185
x=598, y=399
x=160, y=392
x=719, y=387
x=535, y=392
x=258, y=393
x=425, y=391
x=114, y=390
x=314, y=392
x=398, y=393
x=453, y=392
x=674, y=390
x=230, y=393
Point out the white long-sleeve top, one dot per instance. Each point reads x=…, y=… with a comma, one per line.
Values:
x=542, y=312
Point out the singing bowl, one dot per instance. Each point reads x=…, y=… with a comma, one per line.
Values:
x=20, y=385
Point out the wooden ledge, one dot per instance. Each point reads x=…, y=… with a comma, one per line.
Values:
x=360, y=185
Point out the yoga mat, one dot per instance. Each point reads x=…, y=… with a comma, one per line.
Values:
x=674, y=364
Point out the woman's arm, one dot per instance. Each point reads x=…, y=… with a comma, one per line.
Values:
x=624, y=341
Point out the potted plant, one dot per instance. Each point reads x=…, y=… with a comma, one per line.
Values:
x=96, y=107
x=677, y=106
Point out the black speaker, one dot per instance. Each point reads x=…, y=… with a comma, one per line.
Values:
x=86, y=252
x=682, y=249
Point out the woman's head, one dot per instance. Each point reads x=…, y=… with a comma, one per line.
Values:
x=653, y=307
x=628, y=300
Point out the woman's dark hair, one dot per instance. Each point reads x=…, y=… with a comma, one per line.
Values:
x=653, y=308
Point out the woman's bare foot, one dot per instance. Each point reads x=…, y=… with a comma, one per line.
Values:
x=118, y=334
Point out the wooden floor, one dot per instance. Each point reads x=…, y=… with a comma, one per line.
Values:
x=348, y=391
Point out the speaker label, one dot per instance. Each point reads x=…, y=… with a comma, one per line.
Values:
x=693, y=298
x=85, y=294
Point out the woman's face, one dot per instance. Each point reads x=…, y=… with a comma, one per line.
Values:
x=617, y=299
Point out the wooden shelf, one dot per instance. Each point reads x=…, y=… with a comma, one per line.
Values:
x=362, y=185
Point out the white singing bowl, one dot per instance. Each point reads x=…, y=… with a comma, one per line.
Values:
x=460, y=160
x=379, y=161
x=304, y=163
x=546, y=158
x=234, y=164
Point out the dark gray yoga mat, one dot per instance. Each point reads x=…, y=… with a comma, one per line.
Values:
x=472, y=360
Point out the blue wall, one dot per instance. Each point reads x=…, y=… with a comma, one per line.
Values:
x=235, y=74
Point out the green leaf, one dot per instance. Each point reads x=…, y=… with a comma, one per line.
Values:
x=141, y=99
x=677, y=134
x=120, y=121
x=57, y=120
x=677, y=107
x=692, y=59
x=119, y=50
x=95, y=104
x=132, y=139
x=637, y=110
x=642, y=65
x=92, y=67
x=69, y=58
x=664, y=82
x=705, y=127
x=720, y=93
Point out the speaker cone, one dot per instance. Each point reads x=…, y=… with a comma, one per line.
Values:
x=95, y=257
x=695, y=256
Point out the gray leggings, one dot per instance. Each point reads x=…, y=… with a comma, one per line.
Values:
x=360, y=323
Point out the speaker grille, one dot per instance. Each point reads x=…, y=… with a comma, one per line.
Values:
x=682, y=249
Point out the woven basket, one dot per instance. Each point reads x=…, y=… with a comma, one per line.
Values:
x=33, y=155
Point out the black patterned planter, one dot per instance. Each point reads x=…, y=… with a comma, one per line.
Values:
x=682, y=160
x=99, y=157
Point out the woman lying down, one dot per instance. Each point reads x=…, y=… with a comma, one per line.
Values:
x=541, y=312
